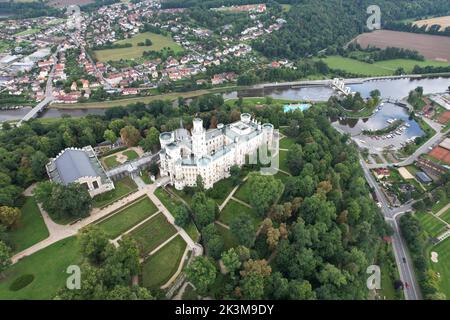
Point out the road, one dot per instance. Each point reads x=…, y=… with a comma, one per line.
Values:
x=48, y=93
x=391, y=216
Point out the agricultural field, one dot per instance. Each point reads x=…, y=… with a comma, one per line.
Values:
x=158, y=268
x=31, y=229
x=443, y=251
x=430, y=46
x=27, y=32
x=123, y=187
x=121, y=221
x=444, y=22
x=159, y=43
x=65, y=3
x=152, y=233
x=380, y=68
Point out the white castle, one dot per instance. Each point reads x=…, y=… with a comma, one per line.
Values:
x=210, y=153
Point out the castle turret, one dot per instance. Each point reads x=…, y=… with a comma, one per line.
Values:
x=198, y=139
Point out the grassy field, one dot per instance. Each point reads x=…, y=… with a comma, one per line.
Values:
x=228, y=238
x=32, y=228
x=125, y=219
x=131, y=155
x=158, y=269
x=446, y=216
x=3, y=46
x=380, y=68
x=27, y=32
x=283, y=163
x=159, y=43
x=221, y=189
x=153, y=233
x=233, y=209
x=111, y=162
x=443, y=250
x=286, y=143
x=145, y=177
x=48, y=266
x=243, y=193
x=122, y=188
x=432, y=226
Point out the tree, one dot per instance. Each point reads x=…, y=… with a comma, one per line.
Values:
x=151, y=141
x=213, y=241
x=129, y=293
x=203, y=209
x=199, y=185
x=243, y=229
x=181, y=215
x=94, y=243
x=267, y=189
x=5, y=257
x=202, y=273
x=252, y=287
x=72, y=201
x=235, y=174
x=38, y=162
x=110, y=135
x=301, y=290
x=230, y=260
x=130, y=135
x=9, y=217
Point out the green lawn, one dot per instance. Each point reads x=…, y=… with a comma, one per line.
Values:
x=158, y=269
x=111, y=162
x=446, y=216
x=380, y=68
x=125, y=219
x=192, y=231
x=3, y=45
x=443, y=250
x=145, y=177
x=27, y=32
x=123, y=187
x=243, y=193
x=221, y=190
x=131, y=155
x=439, y=206
x=48, y=266
x=233, y=209
x=32, y=228
x=153, y=233
x=159, y=43
x=283, y=161
x=433, y=226
x=286, y=143
x=228, y=239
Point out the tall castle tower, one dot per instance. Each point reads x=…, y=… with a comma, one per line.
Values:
x=199, y=139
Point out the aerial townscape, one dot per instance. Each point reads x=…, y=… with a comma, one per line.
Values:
x=224, y=150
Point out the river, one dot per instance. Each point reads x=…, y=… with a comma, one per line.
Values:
x=394, y=89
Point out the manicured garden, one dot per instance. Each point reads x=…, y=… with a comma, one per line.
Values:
x=111, y=162
x=233, y=209
x=31, y=229
x=48, y=268
x=442, y=267
x=433, y=226
x=123, y=187
x=153, y=233
x=122, y=220
x=286, y=143
x=160, y=267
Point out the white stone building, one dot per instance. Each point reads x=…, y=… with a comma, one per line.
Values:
x=210, y=153
x=81, y=166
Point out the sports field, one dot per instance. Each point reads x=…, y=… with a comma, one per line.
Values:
x=159, y=43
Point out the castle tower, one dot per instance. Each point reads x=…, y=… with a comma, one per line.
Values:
x=198, y=139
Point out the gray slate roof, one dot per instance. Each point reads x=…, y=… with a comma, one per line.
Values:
x=74, y=164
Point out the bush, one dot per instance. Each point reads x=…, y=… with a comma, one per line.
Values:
x=21, y=282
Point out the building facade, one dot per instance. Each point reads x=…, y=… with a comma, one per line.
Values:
x=210, y=153
x=81, y=166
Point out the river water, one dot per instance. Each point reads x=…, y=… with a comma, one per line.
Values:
x=394, y=89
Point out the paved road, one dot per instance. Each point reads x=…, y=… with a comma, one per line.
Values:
x=405, y=269
x=48, y=94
